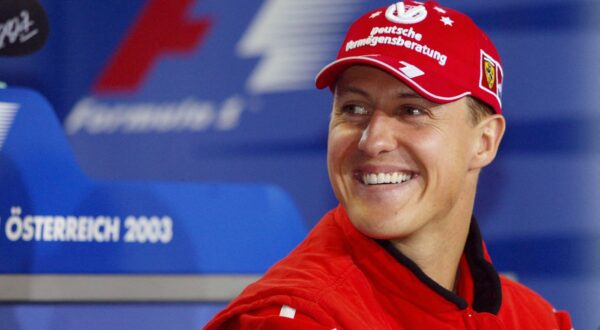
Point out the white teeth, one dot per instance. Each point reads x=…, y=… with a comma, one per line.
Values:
x=370, y=178
x=385, y=178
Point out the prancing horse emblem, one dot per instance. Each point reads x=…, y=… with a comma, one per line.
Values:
x=490, y=73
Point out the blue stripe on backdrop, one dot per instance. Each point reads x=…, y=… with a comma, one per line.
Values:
x=106, y=316
x=566, y=136
x=560, y=255
x=533, y=16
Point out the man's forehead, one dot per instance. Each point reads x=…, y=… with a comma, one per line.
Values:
x=364, y=79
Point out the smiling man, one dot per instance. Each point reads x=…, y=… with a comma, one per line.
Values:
x=416, y=116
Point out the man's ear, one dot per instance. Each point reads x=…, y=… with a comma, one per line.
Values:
x=489, y=133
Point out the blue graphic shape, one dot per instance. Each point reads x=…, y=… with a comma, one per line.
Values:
x=217, y=228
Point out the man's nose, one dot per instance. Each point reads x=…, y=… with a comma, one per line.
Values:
x=379, y=135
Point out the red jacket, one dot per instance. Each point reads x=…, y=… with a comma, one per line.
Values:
x=340, y=279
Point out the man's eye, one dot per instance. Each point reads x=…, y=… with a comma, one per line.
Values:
x=413, y=111
x=355, y=109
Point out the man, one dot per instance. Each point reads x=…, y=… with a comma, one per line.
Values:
x=416, y=115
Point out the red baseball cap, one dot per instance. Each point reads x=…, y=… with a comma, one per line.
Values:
x=437, y=51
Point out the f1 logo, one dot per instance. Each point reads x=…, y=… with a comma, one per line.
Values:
x=162, y=27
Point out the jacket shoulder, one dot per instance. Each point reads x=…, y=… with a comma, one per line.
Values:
x=318, y=264
x=273, y=312
x=312, y=271
x=525, y=307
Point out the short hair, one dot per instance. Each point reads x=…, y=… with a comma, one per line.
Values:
x=478, y=110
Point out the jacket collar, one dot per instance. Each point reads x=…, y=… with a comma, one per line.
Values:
x=478, y=283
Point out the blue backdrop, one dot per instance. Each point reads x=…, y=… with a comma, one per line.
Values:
x=222, y=92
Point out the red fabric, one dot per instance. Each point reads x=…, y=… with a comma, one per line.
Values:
x=264, y=321
x=340, y=279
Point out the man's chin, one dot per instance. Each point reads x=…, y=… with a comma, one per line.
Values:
x=375, y=226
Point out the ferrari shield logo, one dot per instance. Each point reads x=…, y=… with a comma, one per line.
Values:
x=490, y=73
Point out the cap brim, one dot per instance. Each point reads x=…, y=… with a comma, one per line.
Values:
x=439, y=92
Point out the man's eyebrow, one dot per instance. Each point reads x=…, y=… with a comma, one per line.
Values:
x=352, y=89
x=410, y=95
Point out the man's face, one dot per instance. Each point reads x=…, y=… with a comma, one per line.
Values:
x=398, y=163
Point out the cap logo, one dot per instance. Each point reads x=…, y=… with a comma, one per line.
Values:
x=410, y=70
x=490, y=76
x=405, y=14
x=490, y=73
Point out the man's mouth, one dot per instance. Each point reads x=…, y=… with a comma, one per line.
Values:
x=386, y=178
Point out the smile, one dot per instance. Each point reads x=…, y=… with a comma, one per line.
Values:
x=386, y=178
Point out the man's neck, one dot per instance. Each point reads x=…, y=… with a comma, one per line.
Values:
x=438, y=251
